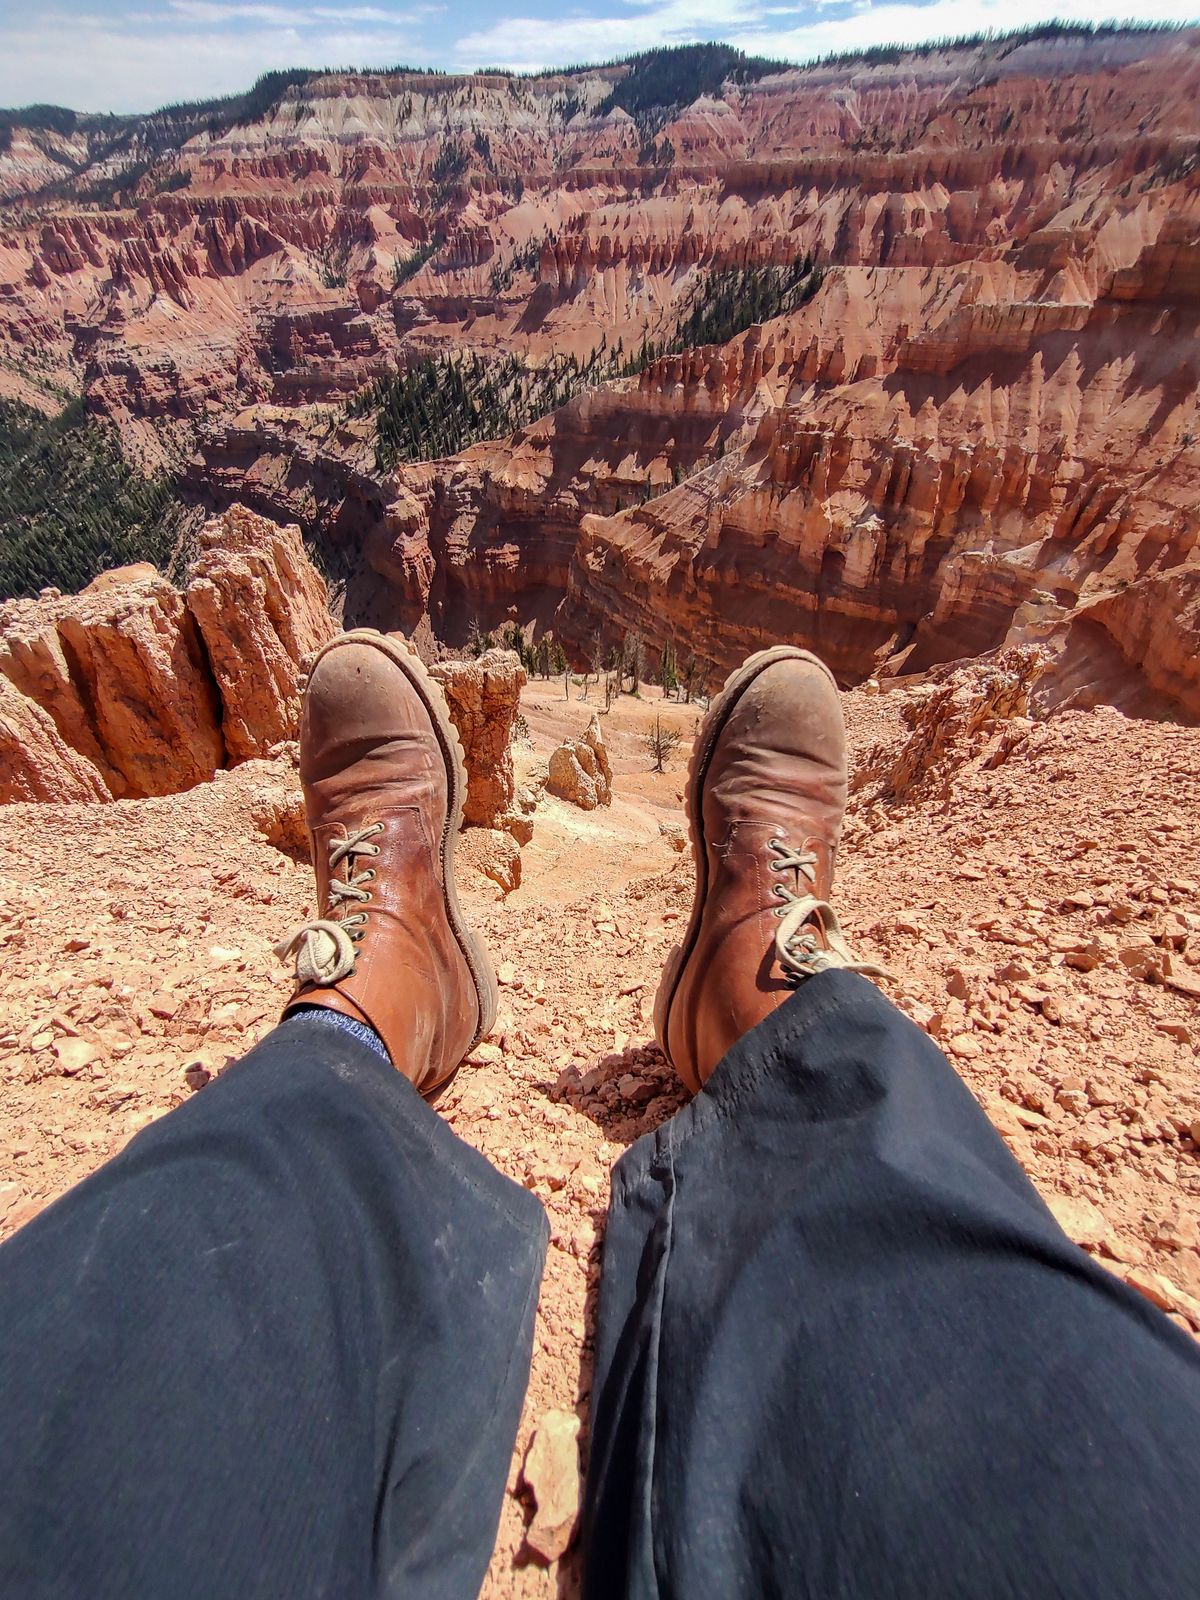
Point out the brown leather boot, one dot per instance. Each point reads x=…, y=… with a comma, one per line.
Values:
x=384, y=784
x=765, y=798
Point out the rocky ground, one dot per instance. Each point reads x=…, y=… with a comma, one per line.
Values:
x=1034, y=887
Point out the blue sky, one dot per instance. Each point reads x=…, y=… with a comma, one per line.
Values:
x=133, y=55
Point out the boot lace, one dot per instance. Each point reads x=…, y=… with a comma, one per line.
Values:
x=810, y=937
x=324, y=949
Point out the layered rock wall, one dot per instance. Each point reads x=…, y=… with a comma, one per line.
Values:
x=285, y=247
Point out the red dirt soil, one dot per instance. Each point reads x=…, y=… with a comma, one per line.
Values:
x=1027, y=905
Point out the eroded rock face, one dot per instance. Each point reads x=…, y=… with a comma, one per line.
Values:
x=951, y=720
x=151, y=691
x=580, y=770
x=120, y=670
x=143, y=675
x=484, y=697
x=1156, y=626
x=36, y=763
x=132, y=689
x=261, y=607
x=34, y=662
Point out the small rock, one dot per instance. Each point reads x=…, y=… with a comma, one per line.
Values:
x=1079, y=1219
x=965, y=1046
x=1017, y=971
x=1074, y=1100
x=74, y=1054
x=486, y=1054
x=1153, y=1285
x=551, y=1475
x=1085, y=957
x=1175, y=1030
x=494, y=854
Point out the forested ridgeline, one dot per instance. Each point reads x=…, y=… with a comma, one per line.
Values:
x=71, y=505
x=444, y=404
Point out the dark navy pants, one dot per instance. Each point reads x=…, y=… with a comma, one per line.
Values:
x=277, y=1348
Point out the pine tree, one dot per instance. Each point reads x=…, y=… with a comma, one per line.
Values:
x=668, y=670
x=635, y=662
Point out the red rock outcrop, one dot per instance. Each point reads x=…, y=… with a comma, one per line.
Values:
x=132, y=688
x=36, y=763
x=580, y=770
x=484, y=697
x=144, y=683
x=283, y=245
x=261, y=607
x=949, y=722
x=151, y=691
x=34, y=662
x=121, y=672
x=1156, y=626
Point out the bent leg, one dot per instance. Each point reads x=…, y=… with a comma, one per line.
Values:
x=276, y=1348
x=845, y=1350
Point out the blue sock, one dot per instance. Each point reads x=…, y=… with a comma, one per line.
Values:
x=351, y=1025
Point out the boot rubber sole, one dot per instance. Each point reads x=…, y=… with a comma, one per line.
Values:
x=707, y=736
x=434, y=701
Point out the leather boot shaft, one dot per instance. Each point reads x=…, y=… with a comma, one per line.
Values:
x=384, y=786
x=766, y=797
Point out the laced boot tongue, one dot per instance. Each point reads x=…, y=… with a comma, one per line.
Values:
x=325, y=948
x=810, y=937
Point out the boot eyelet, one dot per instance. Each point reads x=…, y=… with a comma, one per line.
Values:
x=779, y=891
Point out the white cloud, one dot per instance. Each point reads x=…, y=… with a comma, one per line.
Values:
x=886, y=22
x=529, y=43
x=125, y=63
x=212, y=12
